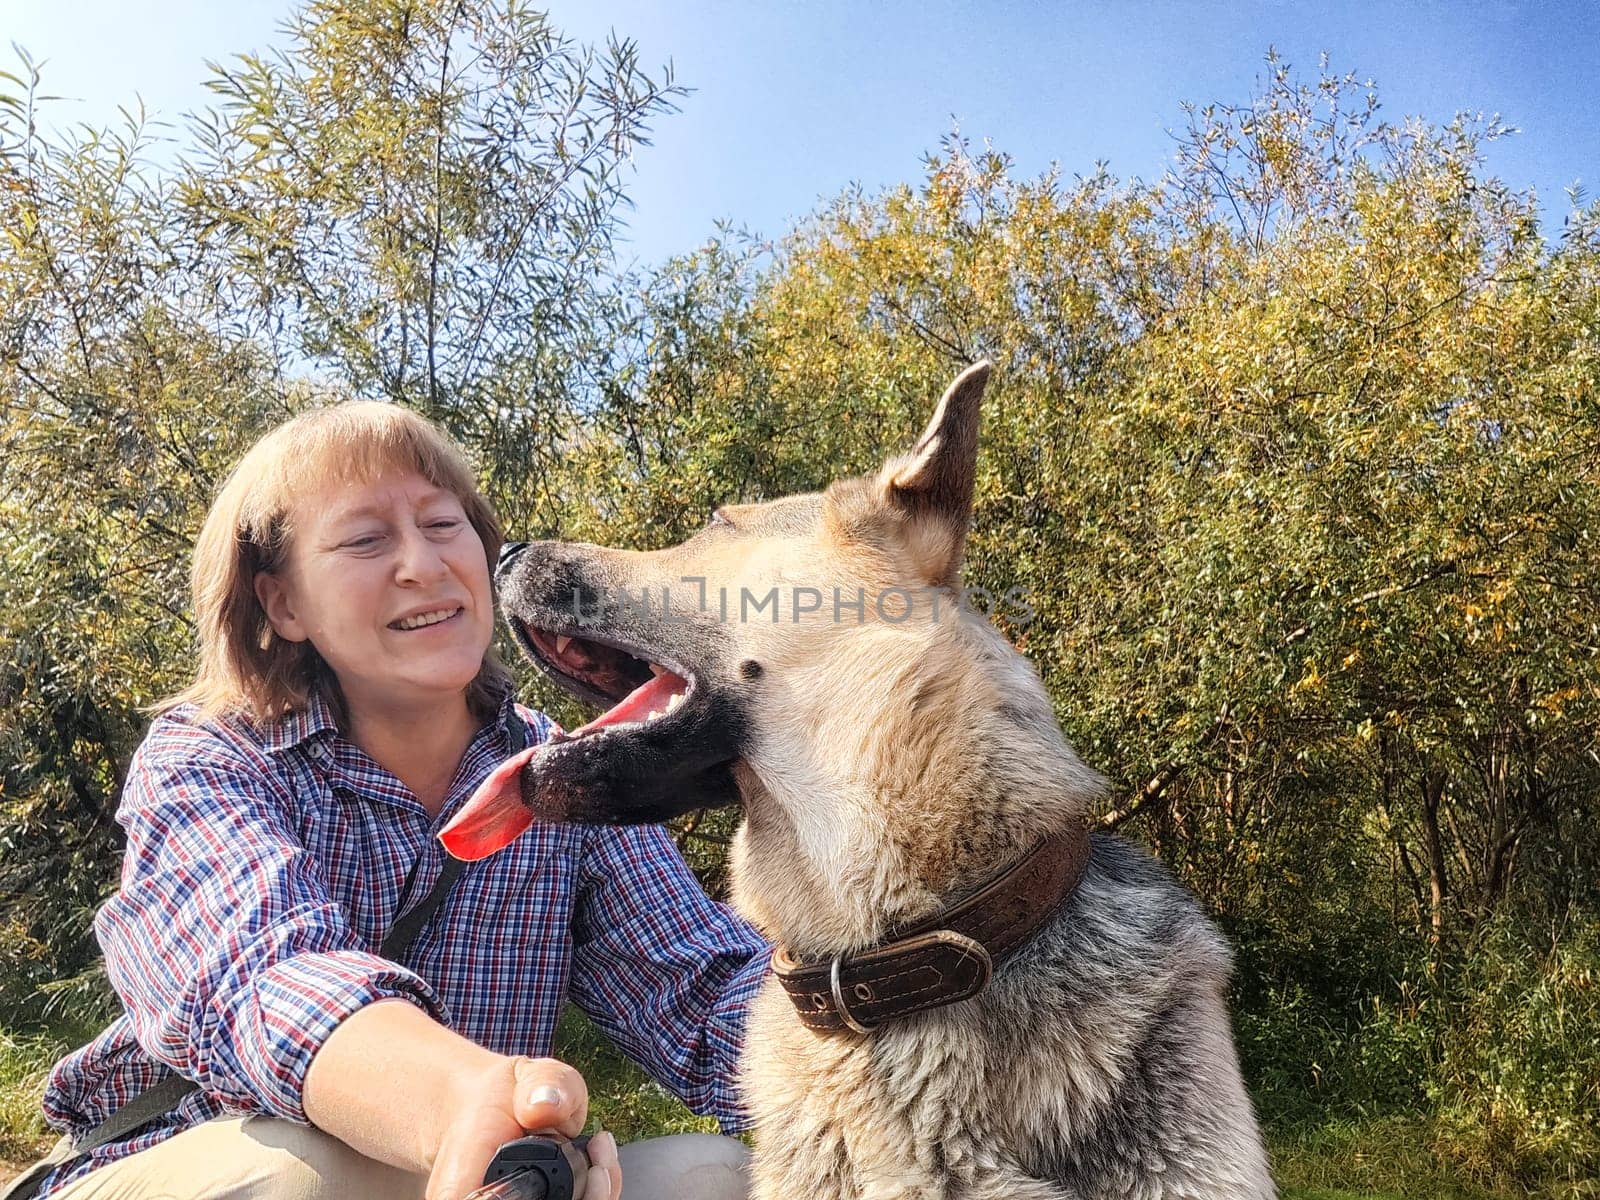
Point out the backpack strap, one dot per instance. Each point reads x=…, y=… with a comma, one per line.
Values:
x=161, y=1098
x=404, y=931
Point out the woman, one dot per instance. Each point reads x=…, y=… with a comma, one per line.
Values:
x=346, y=704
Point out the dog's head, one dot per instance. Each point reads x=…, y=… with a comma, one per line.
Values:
x=813, y=643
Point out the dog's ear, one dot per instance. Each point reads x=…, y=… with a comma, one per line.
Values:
x=932, y=484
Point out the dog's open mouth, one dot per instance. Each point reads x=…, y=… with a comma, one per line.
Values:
x=647, y=725
x=638, y=690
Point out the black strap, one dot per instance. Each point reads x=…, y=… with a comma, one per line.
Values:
x=163, y=1097
x=404, y=931
x=149, y=1104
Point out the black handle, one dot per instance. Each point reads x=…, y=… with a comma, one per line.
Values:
x=541, y=1166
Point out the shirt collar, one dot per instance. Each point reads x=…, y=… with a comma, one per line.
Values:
x=507, y=711
x=302, y=724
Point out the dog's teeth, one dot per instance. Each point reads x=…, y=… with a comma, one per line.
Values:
x=657, y=669
x=677, y=699
x=562, y=643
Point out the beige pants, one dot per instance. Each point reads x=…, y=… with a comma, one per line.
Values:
x=260, y=1158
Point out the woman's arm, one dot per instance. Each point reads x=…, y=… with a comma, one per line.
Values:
x=231, y=957
x=239, y=971
x=665, y=971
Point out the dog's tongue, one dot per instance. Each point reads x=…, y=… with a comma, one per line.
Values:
x=639, y=703
x=495, y=814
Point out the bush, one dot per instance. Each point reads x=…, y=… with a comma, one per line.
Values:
x=1519, y=1075
x=1333, y=1016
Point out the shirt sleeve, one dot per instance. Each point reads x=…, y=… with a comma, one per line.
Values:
x=231, y=958
x=664, y=970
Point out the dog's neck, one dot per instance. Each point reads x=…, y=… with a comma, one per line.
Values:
x=972, y=788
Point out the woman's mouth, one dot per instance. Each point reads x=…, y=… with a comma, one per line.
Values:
x=426, y=620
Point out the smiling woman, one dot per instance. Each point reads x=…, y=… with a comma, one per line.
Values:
x=283, y=819
x=389, y=583
x=310, y=540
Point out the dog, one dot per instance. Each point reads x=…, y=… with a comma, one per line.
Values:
x=808, y=659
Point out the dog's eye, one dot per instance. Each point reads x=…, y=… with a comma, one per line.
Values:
x=716, y=518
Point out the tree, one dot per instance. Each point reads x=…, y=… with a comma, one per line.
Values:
x=1291, y=451
x=419, y=199
x=411, y=200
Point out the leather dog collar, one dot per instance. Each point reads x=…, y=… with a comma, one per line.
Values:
x=943, y=959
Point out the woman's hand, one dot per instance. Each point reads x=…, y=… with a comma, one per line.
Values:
x=518, y=1096
x=394, y=1084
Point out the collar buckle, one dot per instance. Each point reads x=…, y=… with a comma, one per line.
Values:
x=845, y=1014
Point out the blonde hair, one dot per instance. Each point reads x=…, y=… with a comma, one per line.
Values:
x=245, y=668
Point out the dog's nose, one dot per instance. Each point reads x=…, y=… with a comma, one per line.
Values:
x=508, y=551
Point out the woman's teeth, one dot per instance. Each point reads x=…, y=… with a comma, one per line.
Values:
x=427, y=618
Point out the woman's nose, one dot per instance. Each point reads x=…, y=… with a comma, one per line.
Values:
x=421, y=559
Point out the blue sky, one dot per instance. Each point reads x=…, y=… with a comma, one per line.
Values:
x=794, y=100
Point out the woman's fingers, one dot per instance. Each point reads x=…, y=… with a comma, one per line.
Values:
x=606, y=1170
x=550, y=1095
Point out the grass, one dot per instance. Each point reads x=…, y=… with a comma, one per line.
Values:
x=1382, y=1159
x=1376, y=1159
x=621, y=1097
x=24, y=1060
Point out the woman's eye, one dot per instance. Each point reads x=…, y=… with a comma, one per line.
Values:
x=364, y=542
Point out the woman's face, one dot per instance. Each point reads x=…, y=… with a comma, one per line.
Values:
x=388, y=580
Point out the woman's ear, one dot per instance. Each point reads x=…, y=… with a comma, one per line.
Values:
x=279, y=607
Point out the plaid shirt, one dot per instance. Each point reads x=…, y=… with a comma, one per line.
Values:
x=265, y=866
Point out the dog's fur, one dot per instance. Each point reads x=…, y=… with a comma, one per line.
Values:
x=885, y=768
